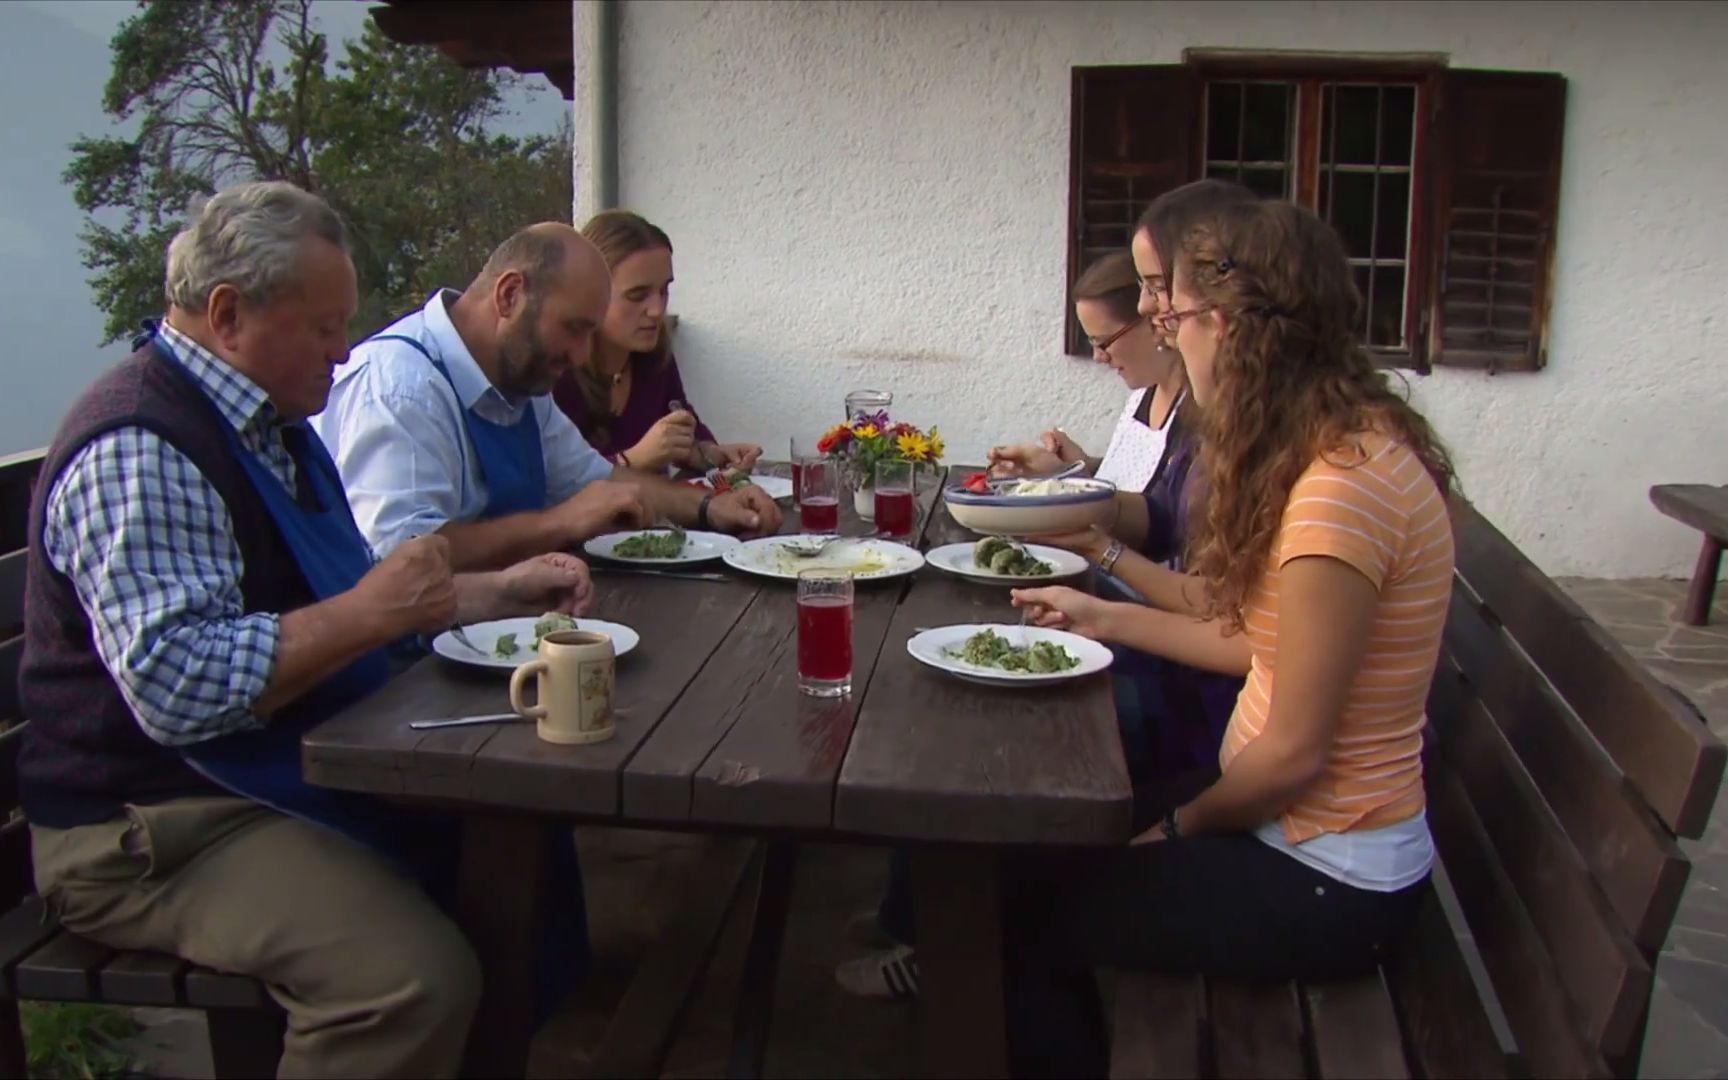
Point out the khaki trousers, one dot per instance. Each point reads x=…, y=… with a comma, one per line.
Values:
x=376, y=981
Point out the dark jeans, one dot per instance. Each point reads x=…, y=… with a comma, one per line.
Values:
x=1223, y=905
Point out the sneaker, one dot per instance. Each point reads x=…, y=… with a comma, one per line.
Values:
x=866, y=930
x=886, y=976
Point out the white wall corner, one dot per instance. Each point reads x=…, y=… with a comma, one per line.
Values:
x=585, y=29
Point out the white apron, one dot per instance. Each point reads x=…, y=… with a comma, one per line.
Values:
x=1136, y=449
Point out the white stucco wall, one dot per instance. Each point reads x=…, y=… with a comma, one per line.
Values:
x=874, y=194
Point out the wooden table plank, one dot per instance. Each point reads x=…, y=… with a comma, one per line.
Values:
x=370, y=747
x=682, y=623
x=743, y=746
x=777, y=765
x=936, y=758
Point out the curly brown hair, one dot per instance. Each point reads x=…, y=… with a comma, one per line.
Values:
x=1291, y=383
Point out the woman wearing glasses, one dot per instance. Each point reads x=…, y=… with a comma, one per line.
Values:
x=1321, y=570
x=1171, y=715
x=1106, y=302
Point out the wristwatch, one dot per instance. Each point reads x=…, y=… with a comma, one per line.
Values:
x=1172, y=826
x=1108, y=560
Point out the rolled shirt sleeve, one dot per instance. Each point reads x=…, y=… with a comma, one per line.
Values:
x=571, y=464
x=149, y=548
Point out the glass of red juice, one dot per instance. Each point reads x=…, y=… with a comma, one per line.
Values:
x=825, y=632
x=896, y=505
x=819, y=509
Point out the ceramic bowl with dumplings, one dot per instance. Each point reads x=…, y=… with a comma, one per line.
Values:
x=1033, y=507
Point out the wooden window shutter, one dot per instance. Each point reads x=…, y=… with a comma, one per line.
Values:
x=1495, y=171
x=1134, y=135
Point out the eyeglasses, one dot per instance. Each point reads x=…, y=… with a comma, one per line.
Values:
x=1171, y=321
x=1103, y=344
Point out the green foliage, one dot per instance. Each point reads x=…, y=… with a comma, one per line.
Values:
x=397, y=138
x=75, y=1041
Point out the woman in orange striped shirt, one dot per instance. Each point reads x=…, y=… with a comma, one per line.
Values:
x=1320, y=568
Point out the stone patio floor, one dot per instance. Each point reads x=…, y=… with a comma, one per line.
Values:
x=817, y=1031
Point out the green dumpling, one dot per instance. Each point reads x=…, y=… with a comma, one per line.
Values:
x=1005, y=561
x=985, y=550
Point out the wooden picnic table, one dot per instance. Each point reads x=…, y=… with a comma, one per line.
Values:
x=713, y=735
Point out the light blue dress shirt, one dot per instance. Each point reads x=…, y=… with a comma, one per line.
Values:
x=394, y=427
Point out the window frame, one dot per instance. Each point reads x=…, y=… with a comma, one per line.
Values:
x=1309, y=71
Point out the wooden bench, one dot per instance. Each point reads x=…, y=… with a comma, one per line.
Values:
x=41, y=962
x=1705, y=508
x=1559, y=776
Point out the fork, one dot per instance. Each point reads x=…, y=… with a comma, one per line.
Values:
x=462, y=635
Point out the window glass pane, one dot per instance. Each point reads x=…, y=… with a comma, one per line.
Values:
x=1393, y=228
x=1352, y=211
x=1360, y=273
x=1223, y=112
x=1347, y=128
x=1397, y=125
x=1386, y=314
x=1267, y=183
x=1267, y=134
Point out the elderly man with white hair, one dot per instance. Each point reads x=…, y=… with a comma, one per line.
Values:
x=199, y=594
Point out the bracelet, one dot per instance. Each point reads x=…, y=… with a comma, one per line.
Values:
x=1111, y=554
x=623, y=460
x=702, y=512
x=1173, y=824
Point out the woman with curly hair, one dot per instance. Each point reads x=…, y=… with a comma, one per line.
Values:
x=1321, y=568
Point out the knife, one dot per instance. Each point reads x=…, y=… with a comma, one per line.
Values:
x=464, y=721
x=686, y=575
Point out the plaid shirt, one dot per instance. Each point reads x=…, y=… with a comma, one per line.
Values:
x=148, y=544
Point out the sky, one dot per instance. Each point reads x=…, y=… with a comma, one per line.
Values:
x=57, y=61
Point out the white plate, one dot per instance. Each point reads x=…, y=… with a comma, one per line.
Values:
x=776, y=487
x=698, y=547
x=869, y=560
x=957, y=559
x=485, y=636
x=932, y=648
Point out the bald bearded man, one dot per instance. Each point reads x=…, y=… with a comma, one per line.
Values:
x=443, y=422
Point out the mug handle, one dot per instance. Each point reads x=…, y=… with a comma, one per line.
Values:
x=518, y=679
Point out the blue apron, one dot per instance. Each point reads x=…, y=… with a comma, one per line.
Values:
x=511, y=458
x=264, y=766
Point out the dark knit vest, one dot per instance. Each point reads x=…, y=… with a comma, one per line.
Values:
x=84, y=755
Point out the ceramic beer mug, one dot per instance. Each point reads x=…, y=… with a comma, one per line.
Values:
x=575, y=672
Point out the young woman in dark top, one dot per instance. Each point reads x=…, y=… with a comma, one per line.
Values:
x=628, y=399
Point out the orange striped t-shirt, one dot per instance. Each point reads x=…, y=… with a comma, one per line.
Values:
x=1376, y=508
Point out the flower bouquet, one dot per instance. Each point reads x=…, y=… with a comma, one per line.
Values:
x=868, y=439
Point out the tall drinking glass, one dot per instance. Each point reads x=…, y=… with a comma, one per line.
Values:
x=819, y=510
x=896, y=506
x=802, y=447
x=825, y=632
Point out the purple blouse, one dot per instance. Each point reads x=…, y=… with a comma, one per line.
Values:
x=652, y=387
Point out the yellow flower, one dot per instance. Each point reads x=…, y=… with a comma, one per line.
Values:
x=937, y=446
x=866, y=431
x=913, y=446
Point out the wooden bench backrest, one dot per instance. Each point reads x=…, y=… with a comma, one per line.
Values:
x=1560, y=773
x=15, y=876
